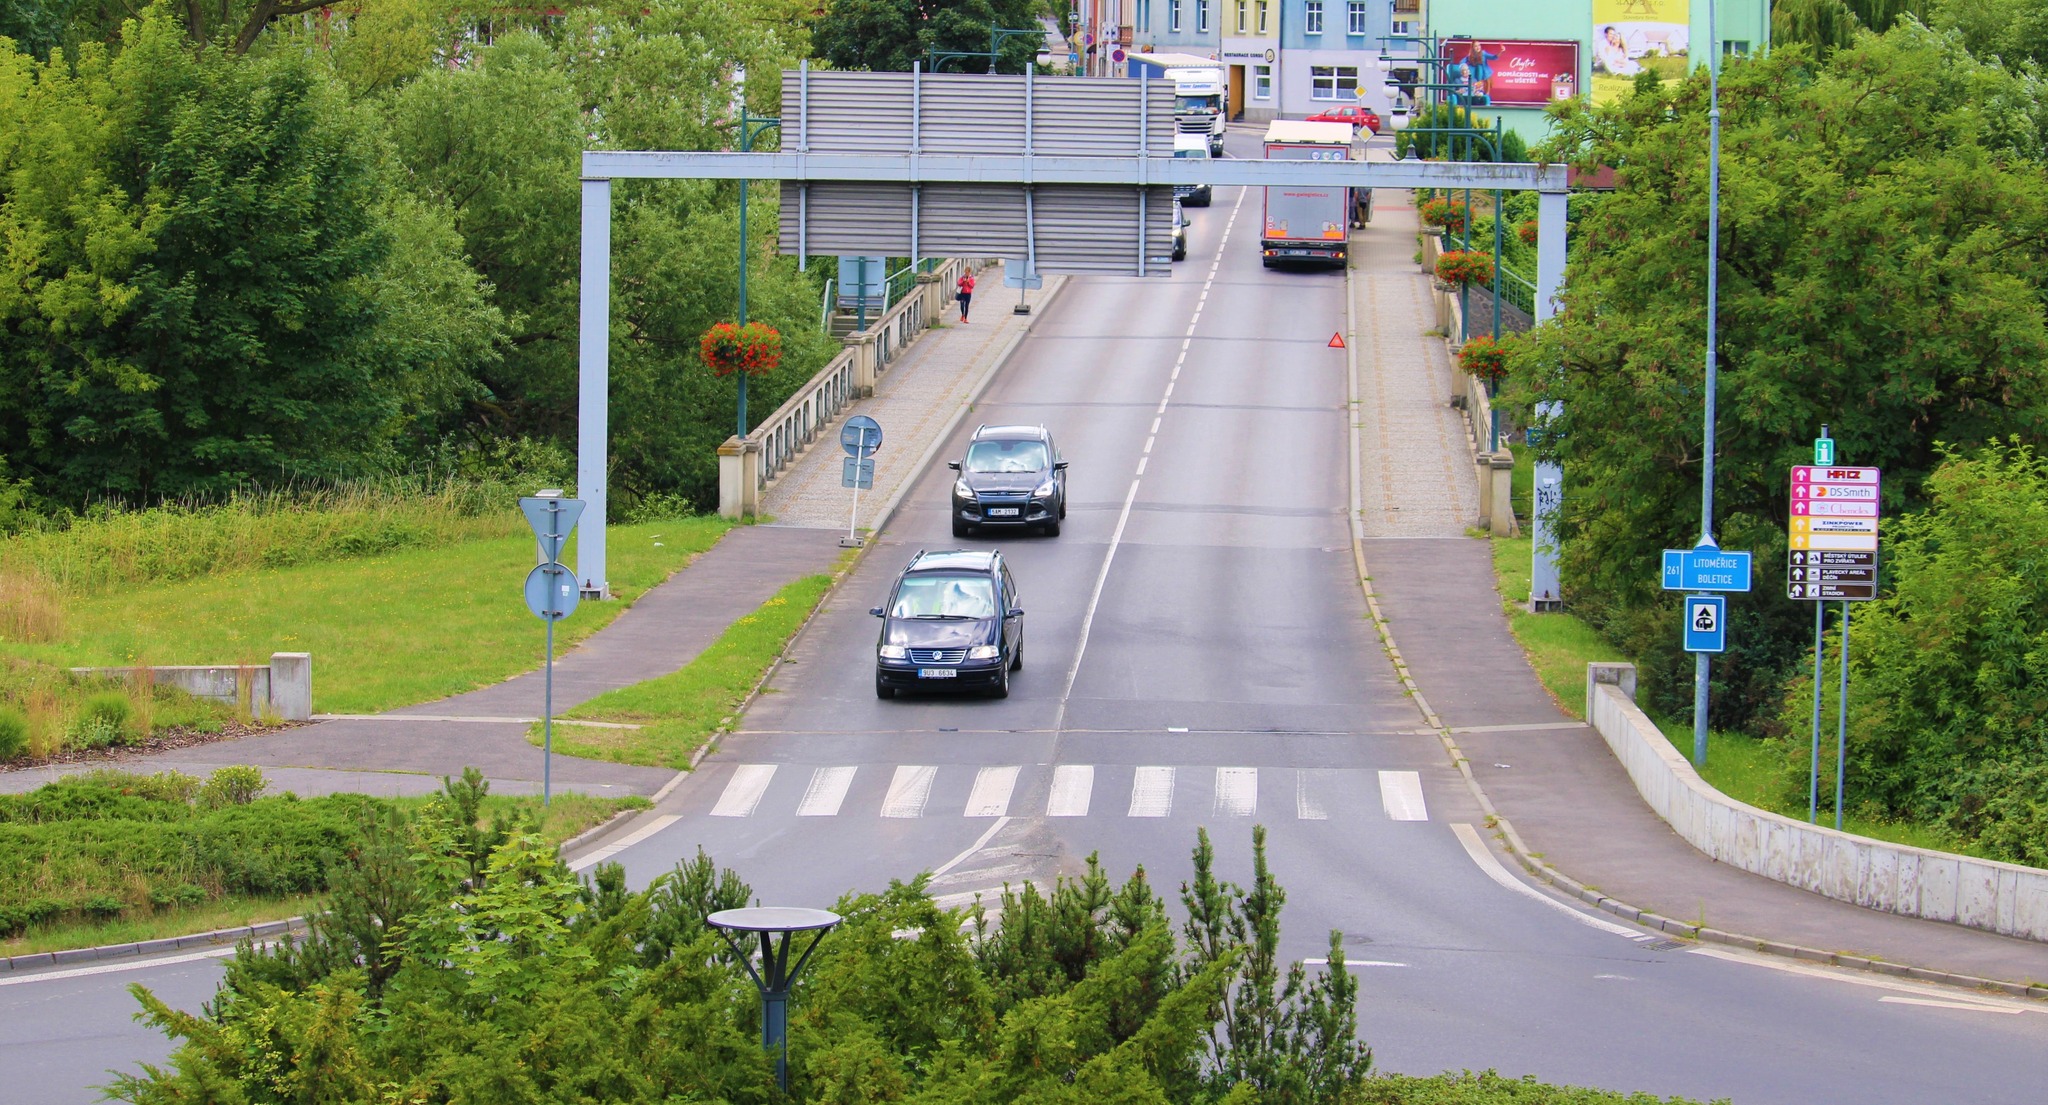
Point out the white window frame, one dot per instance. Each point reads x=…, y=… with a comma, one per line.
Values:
x=1402, y=28
x=1262, y=82
x=1173, y=16
x=1312, y=17
x=1241, y=6
x=1201, y=17
x=1354, y=17
x=1328, y=82
x=1262, y=16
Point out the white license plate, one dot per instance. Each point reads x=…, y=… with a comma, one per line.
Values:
x=936, y=673
x=1002, y=512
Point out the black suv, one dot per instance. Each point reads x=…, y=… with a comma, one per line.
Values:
x=952, y=623
x=1012, y=476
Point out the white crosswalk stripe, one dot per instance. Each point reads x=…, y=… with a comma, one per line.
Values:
x=991, y=794
x=1237, y=791
x=743, y=792
x=1401, y=794
x=908, y=791
x=827, y=792
x=1310, y=784
x=1071, y=786
x=1152, y=792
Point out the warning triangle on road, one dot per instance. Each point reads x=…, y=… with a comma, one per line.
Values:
x=1336, y=341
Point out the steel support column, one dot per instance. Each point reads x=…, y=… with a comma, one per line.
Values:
x=593, y=367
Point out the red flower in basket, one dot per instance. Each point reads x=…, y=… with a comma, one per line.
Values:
x=1443, y=212
x=1465, y=266
x=1485, y=359
x=1528, y=231
x=755, y=349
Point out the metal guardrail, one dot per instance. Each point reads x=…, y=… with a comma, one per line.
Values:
x=786, y=433
x=1516, y=290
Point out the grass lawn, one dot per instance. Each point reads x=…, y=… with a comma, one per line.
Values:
x=386, y=631
x=566, y=816
x=1745, y=768
x=679, y=711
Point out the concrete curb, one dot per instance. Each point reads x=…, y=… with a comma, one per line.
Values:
x=1535, y=866
x=218, y=938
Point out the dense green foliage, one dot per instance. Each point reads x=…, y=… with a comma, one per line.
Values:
x=106, y=844
x=1883, y=264
x=308, y=257
x=888, y=35
x=1949, y=669
x=1453, y=132
x=2013, y=30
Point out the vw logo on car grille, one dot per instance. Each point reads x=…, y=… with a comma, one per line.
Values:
x=937, y=655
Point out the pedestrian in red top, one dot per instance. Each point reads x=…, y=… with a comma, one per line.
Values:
x=965, y=293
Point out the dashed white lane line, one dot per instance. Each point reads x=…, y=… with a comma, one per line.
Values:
x=1401, y=795
x=991, y=794
x=827, y=792
x=743, y=792
x=1072, y=784
x=1152, y=792
x=1491, y=868
x=909, y=790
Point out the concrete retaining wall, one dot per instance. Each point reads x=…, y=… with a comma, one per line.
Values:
x=1998, y=897
x=283, y=687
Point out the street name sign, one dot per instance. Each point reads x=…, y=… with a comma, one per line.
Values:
x=1832, y=533
x=857, y=472
x=1706, y=567
x=1706, y=623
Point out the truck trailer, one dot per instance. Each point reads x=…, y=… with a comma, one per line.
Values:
x=1197, y=92
x=1308, y=223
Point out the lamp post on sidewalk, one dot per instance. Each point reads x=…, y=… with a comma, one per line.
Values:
x=1701, y=664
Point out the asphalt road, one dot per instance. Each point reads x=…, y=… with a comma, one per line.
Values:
x=1198, y=654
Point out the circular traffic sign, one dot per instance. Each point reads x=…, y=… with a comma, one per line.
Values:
x=551, y=591
x=861, y=436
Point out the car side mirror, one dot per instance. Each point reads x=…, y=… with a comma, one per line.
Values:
x=1015, y=612
x=875, y=610
x=1059, y=466
x=953, y=464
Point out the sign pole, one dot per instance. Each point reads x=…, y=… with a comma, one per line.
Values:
x=547, y=725
x=1842, y=718
x=854, y=516
x=1813, y=773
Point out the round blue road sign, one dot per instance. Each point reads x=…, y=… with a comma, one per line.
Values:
x=551, y=591
x=861, y=436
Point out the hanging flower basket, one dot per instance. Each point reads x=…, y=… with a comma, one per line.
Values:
x=1527, y=231
x=1464, y=266
x=1444, y=212
x=1485, y=359
x=754, y=349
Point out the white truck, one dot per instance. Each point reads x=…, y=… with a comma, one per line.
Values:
x=1308, y=223
x=1197, y=92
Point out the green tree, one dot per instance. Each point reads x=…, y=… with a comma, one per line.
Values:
x=888, y=35
x=1884, y=255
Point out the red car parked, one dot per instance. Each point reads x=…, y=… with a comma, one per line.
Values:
x=1356, y=116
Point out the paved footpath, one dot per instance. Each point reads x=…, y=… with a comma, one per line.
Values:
x=1551, y=776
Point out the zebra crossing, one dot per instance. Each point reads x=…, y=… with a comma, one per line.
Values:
x=1067, y=790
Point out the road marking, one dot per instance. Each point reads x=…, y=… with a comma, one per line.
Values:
x=1152, y=792
x=1401, y=794
x=1141, y=464
x=124, y=965
x=827, y=792
x=743, y=792
x=1307, y=805
x=1237, y=791
x=991, y=794
x=1931, y=1003
x=1492, y=869
x=1071, y=786
x=1921, y=992
x=1148, y=443
x=653, y=826
x=1155, y=426
x=908, y=790
x=971, y=848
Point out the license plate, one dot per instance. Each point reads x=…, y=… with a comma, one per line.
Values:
x=1002, y=512
x=936, y=673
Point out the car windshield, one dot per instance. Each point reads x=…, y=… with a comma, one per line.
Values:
x=935, y=596
x=1006, y=456
x=1185, y=105
x=1201, y=153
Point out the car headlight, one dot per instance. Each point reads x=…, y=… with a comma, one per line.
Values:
x=1044, y=489
x=961, y=490
x=982, y=652
x=893, y=652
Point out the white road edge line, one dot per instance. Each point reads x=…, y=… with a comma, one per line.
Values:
x=125, y=965
x=614, y=848
x=1924, y=991
x=1492, y=869
x=963, y=857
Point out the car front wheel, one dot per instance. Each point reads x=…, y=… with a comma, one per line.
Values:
x=883, y=690
x=1002, y=687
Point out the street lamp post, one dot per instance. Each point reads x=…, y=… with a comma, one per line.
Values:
x=1700, y=662
x=774, y=926
x=750, y=126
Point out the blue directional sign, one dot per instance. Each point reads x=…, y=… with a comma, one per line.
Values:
x=1705, y=568
x=1706, y=623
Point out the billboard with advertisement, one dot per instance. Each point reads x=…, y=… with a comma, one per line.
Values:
x=1632, y=36
x=1512, y=72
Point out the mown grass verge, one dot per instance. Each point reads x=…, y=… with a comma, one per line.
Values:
x=1489, y=1088
x=385, y=631
x=111, y=857
x=1745, y=768
x=679, y=711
